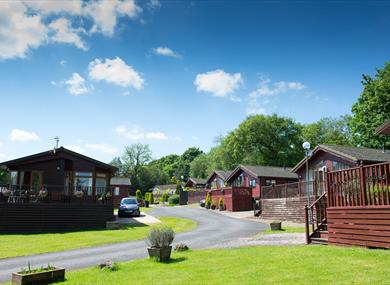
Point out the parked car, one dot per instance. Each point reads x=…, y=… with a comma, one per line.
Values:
x=202, y=202
x=129, y=207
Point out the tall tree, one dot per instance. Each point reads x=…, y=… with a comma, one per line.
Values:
x=3, y=176
x=116, y=161
x=372, y=109
x=183, y=169
x=262, y=140
x=199, y=166
x=135, y=157
x=328, y=131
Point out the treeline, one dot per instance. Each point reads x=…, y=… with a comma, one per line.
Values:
x=267, y=140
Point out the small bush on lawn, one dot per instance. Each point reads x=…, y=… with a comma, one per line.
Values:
x=208, y=201
x=164, y=197
x=181, y=247
x=109, y=265
x=138, y=194
x=160, y=236
x=174, y=200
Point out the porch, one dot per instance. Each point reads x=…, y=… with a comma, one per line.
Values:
x=354, y=210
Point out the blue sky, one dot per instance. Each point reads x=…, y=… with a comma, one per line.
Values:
x=175, y=74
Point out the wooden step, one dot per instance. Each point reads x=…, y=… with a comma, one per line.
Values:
x=315, y=240
x=323, y=234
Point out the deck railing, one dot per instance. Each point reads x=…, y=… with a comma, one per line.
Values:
x=55, y=193
x=361, y=186
x=292, y=190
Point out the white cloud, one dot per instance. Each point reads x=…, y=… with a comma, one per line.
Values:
x=75, y=148
x=19, y=31
x=102, y=147
x=25, y=25
x=136, y=133
x=77, y=85
x=23, y=136
x=165, y=51
x=154, y=4
x=64, y=33
x=260, y=99
x=115, y=71
x=219, y=83
x=105, y=14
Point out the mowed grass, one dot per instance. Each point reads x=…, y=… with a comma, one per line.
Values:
x=250, y=265
x=28, y=244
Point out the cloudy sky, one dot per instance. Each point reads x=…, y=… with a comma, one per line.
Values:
x=105, y=74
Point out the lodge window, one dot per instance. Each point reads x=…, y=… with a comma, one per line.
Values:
x=252, y=183
x=83, y=182
x=116, y=192
x=339, y=165
x=221, y=183
x=270, y=182
x=238, y=181
x=36, y=180
x=13, y=178
x=214, y=184
x=101, y=183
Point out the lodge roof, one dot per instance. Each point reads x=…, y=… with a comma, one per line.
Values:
x=221, y=173
x=55, y=153
x=197, y=180
x=265, y=171
x=120, y=181
x=383, y=129
x=354, y=154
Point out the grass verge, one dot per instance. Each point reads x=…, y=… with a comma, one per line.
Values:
x=251, y=265
x=29, y=244
x=286, y=230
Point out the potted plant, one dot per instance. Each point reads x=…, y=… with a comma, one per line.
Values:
x=208, y=201
x=147, y=195
x=42, y=275
x=220, y=204
x=213, y=206
x=276, y=226
x=6, y=192
x=43, y=193
x=79, y=193
x=160, y=241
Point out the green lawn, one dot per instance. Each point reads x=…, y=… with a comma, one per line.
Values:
x=286, y=230
x=251, y=265
x=19, y=244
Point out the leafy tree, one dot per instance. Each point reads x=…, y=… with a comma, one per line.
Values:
x=116, y=161
x=199, y=166
x=134, y=159
x=328, y=131
x=183, y=168
x=138, y=194
x=167, y=164
x=372, y=109
x=262, y=140
x=3, y=176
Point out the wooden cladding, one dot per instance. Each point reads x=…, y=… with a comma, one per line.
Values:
x=53, y=217
x=361, y=186
x=360, y=226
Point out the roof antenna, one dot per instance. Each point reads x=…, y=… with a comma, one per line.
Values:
x=57, y=139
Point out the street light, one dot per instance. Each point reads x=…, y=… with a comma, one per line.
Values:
x=306, y=147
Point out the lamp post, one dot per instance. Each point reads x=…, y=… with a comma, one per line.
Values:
x=306, y=147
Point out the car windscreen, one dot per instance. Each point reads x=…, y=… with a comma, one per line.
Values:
x=129, y=201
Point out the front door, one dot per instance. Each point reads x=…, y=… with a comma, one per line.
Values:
x=320, y=181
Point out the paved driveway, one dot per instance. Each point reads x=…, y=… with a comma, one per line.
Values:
x=212, y=229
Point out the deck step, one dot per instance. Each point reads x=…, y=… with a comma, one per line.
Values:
x=315, y=240
x=323, y=234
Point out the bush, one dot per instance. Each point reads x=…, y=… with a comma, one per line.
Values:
x=174, y=200
x=208, y=201
x=178, y=188
x=151, y=198
x=160, y=236
x=220, y=203
x=138, y=195
x=164, y=197
x=181, y=247
x=147, y=196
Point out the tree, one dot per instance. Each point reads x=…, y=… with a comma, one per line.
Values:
x=328, y=131
x=134, y=159
x=183, y=168
x=262, y=140
x=199, y=166
x=3, y=176
x=371, y=110
x=116, y=161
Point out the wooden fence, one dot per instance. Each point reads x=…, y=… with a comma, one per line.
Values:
x=293, y=190
x=361, y=186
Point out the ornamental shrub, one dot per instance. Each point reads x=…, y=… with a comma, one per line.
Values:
x=220, y=202
x=164, y=197
x=160, y=236
x=151, y=198
x=147, y=196
x=174, y=200
x=208, y=201
x=138, y=194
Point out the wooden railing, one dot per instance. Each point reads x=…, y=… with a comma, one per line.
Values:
x=361, y=186
x=291, y=190
x=315, y=217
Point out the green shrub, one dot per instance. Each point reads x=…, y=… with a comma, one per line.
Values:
x=147, y=196
x=174, y=200
x=164, y=197
x=220, y=202
x=160, y=236
x=178, y=188
x=151, y=198
x=208, y=201
x=138, y=194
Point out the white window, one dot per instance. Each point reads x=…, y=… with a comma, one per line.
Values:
x=252, y=183
x=116, y=192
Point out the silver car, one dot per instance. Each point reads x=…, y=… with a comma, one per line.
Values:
x=129, y=207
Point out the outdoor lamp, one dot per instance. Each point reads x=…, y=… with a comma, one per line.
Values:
x=306, y=147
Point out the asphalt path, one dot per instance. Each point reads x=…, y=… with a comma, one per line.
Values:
x=212, y=229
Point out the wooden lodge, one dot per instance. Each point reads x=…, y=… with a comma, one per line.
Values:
x=354, y=208
x=217, y=179
x=195, y=184
x=56, y=190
